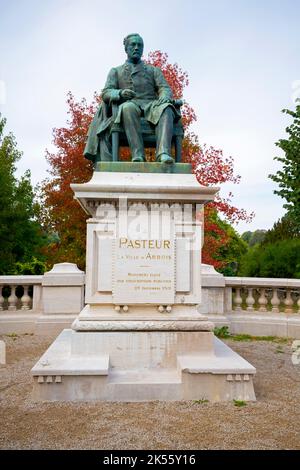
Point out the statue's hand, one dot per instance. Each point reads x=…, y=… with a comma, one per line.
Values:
x=127, y=94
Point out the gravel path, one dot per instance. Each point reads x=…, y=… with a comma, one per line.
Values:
x=270, y=423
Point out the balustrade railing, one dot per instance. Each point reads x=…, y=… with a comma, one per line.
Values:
x=246, y=294
x=264, y=294
x=20, y=292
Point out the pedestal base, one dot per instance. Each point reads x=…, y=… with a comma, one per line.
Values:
x=141, y=337
x=141, y=366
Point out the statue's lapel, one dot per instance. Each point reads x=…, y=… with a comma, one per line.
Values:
x=128, y=70
x=126, y=73
x=138, y=68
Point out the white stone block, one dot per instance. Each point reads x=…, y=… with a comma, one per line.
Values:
x=2, y=352
x=258, y=324
x=142, y=187
x=170, y=266
x=141, y=366
x=60, y=300
x=64, y=274
x=210, y=277
x=63, y=289
x=212, y=301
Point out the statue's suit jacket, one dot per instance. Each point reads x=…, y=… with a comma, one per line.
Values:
x=147, y=82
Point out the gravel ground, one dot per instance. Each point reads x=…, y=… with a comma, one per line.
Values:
x=270, y=423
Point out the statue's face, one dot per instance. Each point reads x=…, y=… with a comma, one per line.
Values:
x=134, y=48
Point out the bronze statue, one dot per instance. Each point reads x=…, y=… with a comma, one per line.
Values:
x=138, y=90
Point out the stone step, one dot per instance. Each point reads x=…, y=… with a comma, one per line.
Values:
x=102, y=368
x=149, y=377
x=224, y=361
x=129, y=385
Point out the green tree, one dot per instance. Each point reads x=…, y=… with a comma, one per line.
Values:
x=280, y=260
x=231, y=252
x=254, y=238
x=224, y=244
x=283, y=229
x=21, y=237
x=277, y=254
x=288, y=178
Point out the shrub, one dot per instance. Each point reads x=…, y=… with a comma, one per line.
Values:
x=280, y=259
x=34, y=266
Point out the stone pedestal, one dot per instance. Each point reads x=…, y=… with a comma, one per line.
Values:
x=141, y=336
x=63, y=297
x=63, y=289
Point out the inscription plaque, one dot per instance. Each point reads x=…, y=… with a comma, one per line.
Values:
x=144, y=271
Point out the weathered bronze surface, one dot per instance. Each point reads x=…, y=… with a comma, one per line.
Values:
x=134, y=92
x=140, y=167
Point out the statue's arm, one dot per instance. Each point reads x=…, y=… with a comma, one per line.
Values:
x=163, y=89
x=111, y=92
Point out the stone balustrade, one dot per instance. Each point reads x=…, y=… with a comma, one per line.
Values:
x=47, y=304
x=20, y=292
x=41, y=304
x=264, y=294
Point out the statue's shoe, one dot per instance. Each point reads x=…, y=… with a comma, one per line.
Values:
x=165, y=158
x=138, y=159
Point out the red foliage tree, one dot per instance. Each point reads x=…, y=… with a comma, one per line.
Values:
x=63, y=215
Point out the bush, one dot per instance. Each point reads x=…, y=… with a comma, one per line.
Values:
x=34, y=266
x=280, y=259
x=221, y=332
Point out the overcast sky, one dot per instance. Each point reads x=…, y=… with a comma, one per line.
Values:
x=242, y=58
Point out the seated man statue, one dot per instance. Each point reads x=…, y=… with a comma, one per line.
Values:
x=140, y=90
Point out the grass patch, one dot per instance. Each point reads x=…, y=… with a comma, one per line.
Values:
x=12, y=335
x=274, y=339
x=201, y=402
x=242, y=337
x=223, y=332
x=239, y=403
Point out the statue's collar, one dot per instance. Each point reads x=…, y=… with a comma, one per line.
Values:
x=133, y=68
x=133, y=64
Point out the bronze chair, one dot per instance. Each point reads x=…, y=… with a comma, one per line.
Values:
x=148, y=131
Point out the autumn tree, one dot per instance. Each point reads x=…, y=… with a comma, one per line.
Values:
x=63, y=215
x=211, y=168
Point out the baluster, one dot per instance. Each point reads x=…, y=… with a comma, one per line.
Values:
x=1, y=299
x=12, y=299
x=275, y=302
x=262, y=301
x=25, y=299
x=288, y=302
x=237, y=300
x=250, y=300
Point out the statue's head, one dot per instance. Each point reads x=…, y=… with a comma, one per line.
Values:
x=134, y=46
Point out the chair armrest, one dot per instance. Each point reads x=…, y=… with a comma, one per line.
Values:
x=178, y=103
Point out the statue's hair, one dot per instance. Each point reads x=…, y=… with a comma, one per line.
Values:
x=125, y=41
